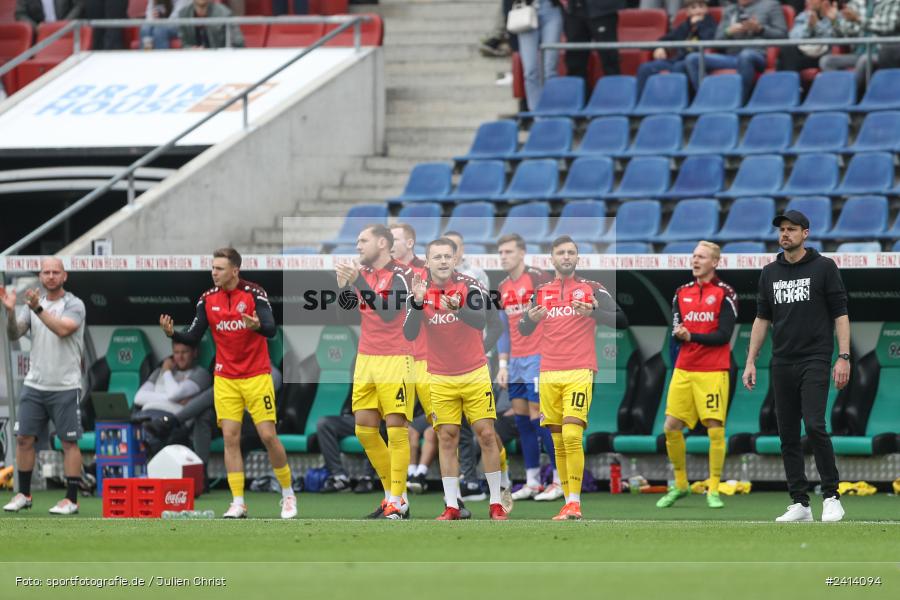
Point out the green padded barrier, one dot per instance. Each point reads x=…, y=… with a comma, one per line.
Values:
x=646, y=444
x=614, y=348
x=85, y=444
x=217, y=445
x=351, y=445
x=206, y=351
x=128, y=349
x=276, y=347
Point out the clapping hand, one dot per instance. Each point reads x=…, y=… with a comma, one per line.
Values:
x=682, y=334
x=346, y=273
x=584, y=308
x=251, y=321
x=537, y=313
x=33, y=298
x=419, y=287
x=167, y=325
x=8, y=298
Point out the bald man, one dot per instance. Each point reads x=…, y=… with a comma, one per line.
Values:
x=52, y=387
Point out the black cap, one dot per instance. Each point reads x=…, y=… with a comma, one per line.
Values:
x=794, y=216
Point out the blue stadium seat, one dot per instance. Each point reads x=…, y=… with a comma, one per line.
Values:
x=561, y=96
x=358, y=217
x=692, y=220
x=813, y=174
x=868, y=173
x=547, y=138
x=744, y=248
x=699, y=176
x=629, y=248
x=588, y=177
x=748, y=219
x=533, y=180
x=301, y=250
x=679, y=247
x=881, y=94
x=859, y=247
x=663, y=93
x=817, y=209
x=635, y=221
x=533, y=249
x=862, y=218
x=717, y=93
x=822, y=132
x=894, y=232
x=880, y=131
x=657, y=135
x=586, y=248
x=814, y=244
x=606, y=136
x=613, y=95
x=345, y=249
x=757, y=175
x=476, y=248
x=474, y=220
x=766, y=134
x=493, y=140
x=427, y=181
x=831, y=90
x=644, y=177
x=582, y=220
x=531, y=221
x=713, y=133
x=480, y=180
x=777, y=91
x=896, y=246
x=424, y=217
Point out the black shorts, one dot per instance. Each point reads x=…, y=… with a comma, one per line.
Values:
x=37, y=407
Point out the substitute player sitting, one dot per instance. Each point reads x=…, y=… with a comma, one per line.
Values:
x=452, y=308
x=703, y=316
x=569, y=307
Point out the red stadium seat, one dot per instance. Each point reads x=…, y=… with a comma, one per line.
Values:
x=258, y=7
x=52, y=55
x=372, y=33
x=293, y=35
x=637, y=26
x=330, y=7
x=137, y=9
x=255, y=35
x=15, y=38
x=7, y=11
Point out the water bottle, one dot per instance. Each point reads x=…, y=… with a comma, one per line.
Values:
x=745, y=468
x=169, y=514
x=615, y=477
x=208, y=514
x=670, y=476
x=634, y=481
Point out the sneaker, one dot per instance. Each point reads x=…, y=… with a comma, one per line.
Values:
x=713, y=500
x=417, y=484
x=494, y=46
x=376, y=514
x=449, y=514
x=527, y=492
x=553, y=491
x=364, y=485
x=674, y=495
x=504, y=79
x=498, y=513
x=506, y=500
x=796, y=513
x=65, y=507
x=18, y=502
x=832, y=511
x=464, y=513
x=236, y=511
x=471, y=491
x=289, y=507
x=570, y=512
x=395, y=514
x=336, y=483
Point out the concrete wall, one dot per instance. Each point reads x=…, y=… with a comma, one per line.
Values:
x=254, y=176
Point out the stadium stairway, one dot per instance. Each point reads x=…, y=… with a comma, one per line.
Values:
x=439, y=90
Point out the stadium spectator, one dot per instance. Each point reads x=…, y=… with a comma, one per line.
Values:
x=238, y=7
x=699, y=25
x=280, y=7
x=499, y=42
x=330, y=431
x=157, y=34
x=207, y=36
x=802, y=298
x=56, y=320
x=817, y=21
x=744, y=20
x=170, y=387
x=855, y=20
x=105, y=38
x=35, y=12
x=420, y=460
x=592, y=20
x=537, y=66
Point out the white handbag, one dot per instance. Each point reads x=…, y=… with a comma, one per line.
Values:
x=522, y=18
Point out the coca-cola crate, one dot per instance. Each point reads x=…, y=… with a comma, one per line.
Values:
x=150, y=497
x=117, y=498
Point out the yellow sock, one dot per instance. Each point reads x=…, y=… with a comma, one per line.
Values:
x=716, y=456
x=572, y=435
x=398, y=442
x=236, y=484
x=677, y=454
x=377, y=451
x=503, y=463
x=283, y=475
x=560, y=451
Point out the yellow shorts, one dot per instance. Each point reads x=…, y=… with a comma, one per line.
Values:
x=422, y=379
x=470, y=393
x=382, y=383
x=697, y=395
x=233, y=396
x=565, y=394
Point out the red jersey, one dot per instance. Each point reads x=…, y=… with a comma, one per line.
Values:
x=382, y=330
x=454, y=346
x=420, y=344
x=567, y=342
x=708, y=311
x=515, y=297
x=241, y=353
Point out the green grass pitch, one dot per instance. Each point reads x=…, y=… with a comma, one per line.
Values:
x=625, y=547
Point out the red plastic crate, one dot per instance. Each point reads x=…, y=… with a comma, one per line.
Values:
x=117, y=498
x=150, y=497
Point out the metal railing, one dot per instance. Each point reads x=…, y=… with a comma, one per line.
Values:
x=344, y=23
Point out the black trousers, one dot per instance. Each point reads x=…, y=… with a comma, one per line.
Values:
x=801, y=392
x=107, y=39
x=791, y=59
x=329, y=433
x=597, y=29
